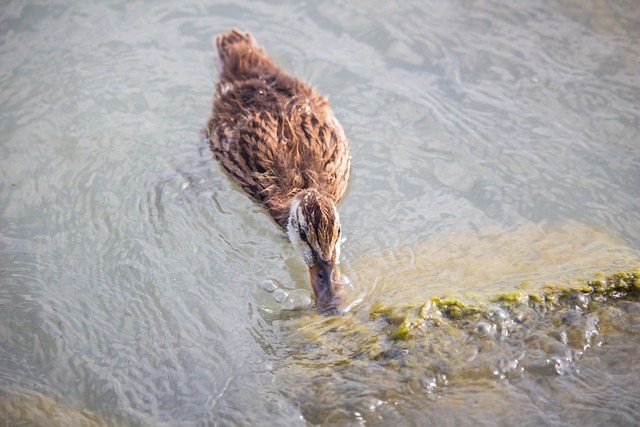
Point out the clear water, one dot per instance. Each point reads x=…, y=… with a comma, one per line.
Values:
x=492, y=143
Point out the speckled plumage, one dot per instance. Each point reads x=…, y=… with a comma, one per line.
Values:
x=273, y=133
x=279, y=139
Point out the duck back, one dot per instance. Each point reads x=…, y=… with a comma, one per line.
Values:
x=275, y=135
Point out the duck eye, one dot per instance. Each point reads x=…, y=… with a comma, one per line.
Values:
x=303, y=235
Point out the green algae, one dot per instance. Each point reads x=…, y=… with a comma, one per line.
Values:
x=386, y=350
x=518, y=297
x=403, y=322
x=439, y=327
x=453, y=308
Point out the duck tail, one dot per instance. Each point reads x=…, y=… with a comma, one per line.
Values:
x=240, y=57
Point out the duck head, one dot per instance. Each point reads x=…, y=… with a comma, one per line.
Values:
x=314, y=230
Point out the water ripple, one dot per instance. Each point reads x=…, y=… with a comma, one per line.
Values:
x=139, y=283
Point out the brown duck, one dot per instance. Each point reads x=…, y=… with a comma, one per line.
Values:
x=279, y=139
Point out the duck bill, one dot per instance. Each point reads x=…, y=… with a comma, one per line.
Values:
x=325, y=280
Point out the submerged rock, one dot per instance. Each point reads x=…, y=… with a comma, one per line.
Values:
x=28, y=407
x=395, y=348
x=575, y=306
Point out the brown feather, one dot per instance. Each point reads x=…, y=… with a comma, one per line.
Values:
x=275, y=135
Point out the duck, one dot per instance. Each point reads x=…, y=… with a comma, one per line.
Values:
x=280, y=140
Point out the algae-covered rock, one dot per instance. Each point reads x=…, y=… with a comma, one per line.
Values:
x=394, y=349
x=409, y=321
x=478, y=305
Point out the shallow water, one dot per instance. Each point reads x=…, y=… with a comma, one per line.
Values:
x=492, y=144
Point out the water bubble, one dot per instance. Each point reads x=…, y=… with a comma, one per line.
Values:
x=299, y=299
x=269, y=285
x=561, y=366
x=279, y=295
x=499, y=315
x=482, y=329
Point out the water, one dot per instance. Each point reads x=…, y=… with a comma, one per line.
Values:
x=492, y=144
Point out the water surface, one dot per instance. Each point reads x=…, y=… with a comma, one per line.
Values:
x=492, y=144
